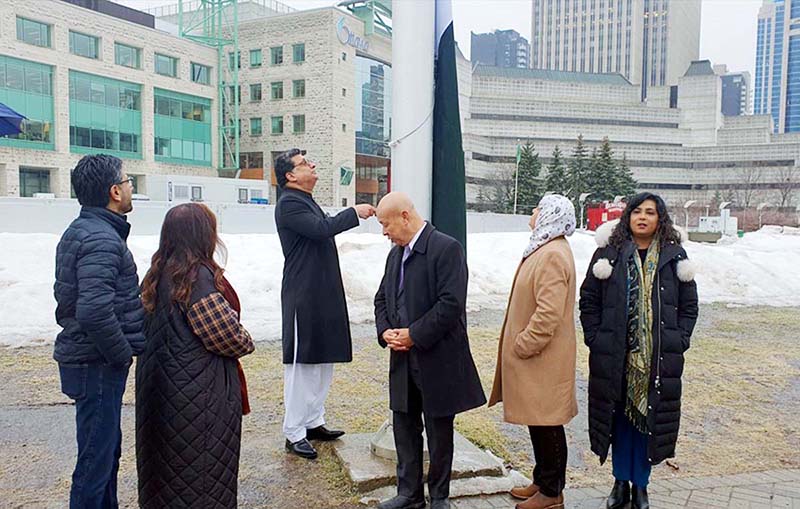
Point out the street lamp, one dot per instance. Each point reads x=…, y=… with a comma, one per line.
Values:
x=760, y=209
x=582, y=201
x=686, y=212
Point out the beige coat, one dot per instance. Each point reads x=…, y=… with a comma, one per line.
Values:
x=535, y=375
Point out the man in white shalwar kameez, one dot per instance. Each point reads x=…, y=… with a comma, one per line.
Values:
x=316, y=327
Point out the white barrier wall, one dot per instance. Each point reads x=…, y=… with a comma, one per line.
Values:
x=36, y=215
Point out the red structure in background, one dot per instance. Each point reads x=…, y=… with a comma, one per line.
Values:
x=604, y=212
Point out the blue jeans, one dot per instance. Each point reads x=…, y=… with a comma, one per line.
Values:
x=629, y=452
x=97, y=390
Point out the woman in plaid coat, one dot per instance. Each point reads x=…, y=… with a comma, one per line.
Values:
x=189, y=382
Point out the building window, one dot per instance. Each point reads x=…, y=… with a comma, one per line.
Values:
x=235, y=93
x=299, y=88
x=298, y=124
x=251, y=160
x=27, y=87
x=255, y=58
x=255, y=92
x=166, y=65
x=113, y=120
x=276, y=55
x=234, y=60
x=276, y=90
x=33, y=181
x=298, y=53
x=33, y=32
x=255, y=126
x=84, y=45
x=127, y=56
x=201, y=73
x=182, y=128
x=277, y=125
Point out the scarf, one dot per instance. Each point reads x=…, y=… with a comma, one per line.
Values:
x=233, y=299
x=640, y=333
x=556, y=219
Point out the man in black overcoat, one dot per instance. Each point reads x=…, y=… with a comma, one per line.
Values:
x=316, y=328
x=420, y=314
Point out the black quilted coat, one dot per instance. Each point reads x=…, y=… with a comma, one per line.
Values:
x=188, y=412
x=603, y=306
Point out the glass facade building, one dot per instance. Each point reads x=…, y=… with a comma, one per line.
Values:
x=777, y=81
x=105, y=115
x=182, y=125
x=27, y=88
x=373, y=129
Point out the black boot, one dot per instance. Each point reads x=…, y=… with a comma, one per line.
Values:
x=620, y=495
x=639, y=498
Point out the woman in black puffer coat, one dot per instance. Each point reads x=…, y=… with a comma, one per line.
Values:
x=638, y=308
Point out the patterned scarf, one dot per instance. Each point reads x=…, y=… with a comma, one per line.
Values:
x=640, y=333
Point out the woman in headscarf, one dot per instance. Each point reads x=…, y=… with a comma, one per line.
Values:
x=638, y=309
x=535, y=375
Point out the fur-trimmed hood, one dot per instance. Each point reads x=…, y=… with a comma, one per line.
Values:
x=603, y=268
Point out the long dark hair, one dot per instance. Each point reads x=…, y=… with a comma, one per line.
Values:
x=188, y=239
x=665, y=230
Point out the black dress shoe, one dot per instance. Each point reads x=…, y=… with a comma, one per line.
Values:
x=620, y=495
x=302, y=448
x=323, y=433
x=639, y=499
x=400, y=502
x=440, y=503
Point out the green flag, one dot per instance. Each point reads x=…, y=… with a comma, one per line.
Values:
x=448, y=197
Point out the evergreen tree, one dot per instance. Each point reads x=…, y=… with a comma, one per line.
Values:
x=528, y=182
x=557, y=178
x=608, y=176
x=625, y=183
x=578, y=166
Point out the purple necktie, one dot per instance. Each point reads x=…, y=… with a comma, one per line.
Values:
x=406, y=254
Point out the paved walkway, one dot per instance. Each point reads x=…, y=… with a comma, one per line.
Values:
x=779, y=488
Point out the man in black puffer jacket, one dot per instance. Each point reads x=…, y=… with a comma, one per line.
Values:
x=100, y=311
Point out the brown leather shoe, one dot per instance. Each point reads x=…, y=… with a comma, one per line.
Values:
x=540, y=501
x=524, y=493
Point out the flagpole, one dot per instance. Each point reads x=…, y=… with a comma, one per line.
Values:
x=412, y=101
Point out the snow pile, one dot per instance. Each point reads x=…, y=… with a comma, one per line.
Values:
x=759, y=269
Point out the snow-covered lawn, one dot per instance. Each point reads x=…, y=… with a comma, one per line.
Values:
x=759, y=269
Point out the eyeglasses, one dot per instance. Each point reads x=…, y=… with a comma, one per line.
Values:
x=304, y=162
x=131, y=180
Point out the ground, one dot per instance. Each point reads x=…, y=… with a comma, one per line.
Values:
x=740, y=415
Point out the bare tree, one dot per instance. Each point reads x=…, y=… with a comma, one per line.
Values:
x=502, y=191
x=747, y=185
x=788, y=177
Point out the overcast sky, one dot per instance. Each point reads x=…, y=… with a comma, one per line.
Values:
x=727, y=36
